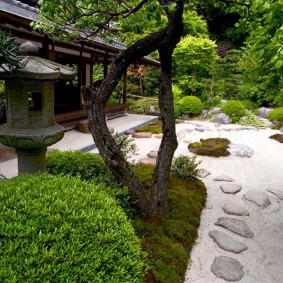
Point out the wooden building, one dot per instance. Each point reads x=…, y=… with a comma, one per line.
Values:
x=15, y=19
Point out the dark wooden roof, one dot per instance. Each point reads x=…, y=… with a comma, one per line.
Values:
x=20, y=14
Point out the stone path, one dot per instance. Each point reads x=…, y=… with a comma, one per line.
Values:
x=241, y=232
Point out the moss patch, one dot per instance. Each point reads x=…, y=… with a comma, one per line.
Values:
x=277, y=137
x=169, y=242
x=215, y=147
x=153, y=128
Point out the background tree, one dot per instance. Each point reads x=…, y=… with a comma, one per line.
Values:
x=90, y=17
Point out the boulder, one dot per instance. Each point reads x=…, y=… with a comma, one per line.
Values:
x=281, y=129
x=244, y=120
x=222, y=119
x=263, y=111
x=204, y=112
x=240, y=150
x=214, y=110
x=152, y=154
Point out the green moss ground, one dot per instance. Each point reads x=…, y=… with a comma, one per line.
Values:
x=153, y=128
x=215, y=147
x=169, y=242
x=277, y=137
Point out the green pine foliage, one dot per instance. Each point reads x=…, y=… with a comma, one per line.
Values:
x=234, y=109
x=57, y=229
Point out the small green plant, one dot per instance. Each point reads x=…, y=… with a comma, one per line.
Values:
x=252, y=121
x=57, y=229
x=234, y=109
x=276, y=114
x=153, y=128
x=190, y=105
x=177, y=92
x=185, y=167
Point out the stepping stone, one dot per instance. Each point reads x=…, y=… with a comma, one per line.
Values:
x=234, y=208
x=278, y=193
x=129, y=132
x=158, y=136
x=230, y=188
x=260, y=198
x=226, y=242
x=240, y=150
x=227, y=268
x=223, y=178
x=111, y=130
x=150, y=161
x=199, y=129
x=152, y=154
x=202, y=173
x=187, y=141
x=142, y=135
x=236, y=226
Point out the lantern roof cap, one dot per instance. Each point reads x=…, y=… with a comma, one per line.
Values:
x=32, y=67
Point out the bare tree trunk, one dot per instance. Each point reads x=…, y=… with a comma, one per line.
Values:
x=154, y=203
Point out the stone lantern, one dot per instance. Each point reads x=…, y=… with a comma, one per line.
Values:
x=30, y=126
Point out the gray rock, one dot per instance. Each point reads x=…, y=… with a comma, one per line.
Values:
x=236, y=226
x=222, y=119
x=204, y=112
x=129, y=132
x=227, y=268
x=226, y=242
x=260, y=198
x=2, y=177
x=150, y=161
x=152, y=154
x=230, y=188
x=234, y=208
x=199, y=129
x=224, y=178
x=244, y=120
x=278, y=193
x=240, y=150
x=263, y=111
x=214, y=110
x=111, y=130
x=281, y=129
x=202, y=173
x=142, y=135
x=187, y=141
x=185, y=117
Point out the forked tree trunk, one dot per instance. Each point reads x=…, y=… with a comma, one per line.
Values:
x=152, y=204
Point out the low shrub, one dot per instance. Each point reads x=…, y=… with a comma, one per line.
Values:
x=276, y=114
x=190, y=105
x=235, y=109
x=88, y=167
x=185, y=167
x=142, y=105
x=57, y=229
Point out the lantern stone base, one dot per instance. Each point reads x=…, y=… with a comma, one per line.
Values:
x=31, y=161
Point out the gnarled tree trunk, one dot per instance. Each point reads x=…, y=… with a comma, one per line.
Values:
x=155, y=204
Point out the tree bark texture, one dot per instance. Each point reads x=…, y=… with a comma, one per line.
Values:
x=152, y=204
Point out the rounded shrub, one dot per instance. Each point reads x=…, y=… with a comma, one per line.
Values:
x=190, y=105
x=185, y=167
x=276, y=114
x=235, y=109
x=57, y=229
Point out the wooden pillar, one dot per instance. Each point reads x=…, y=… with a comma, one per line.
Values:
x=81, y=77
x=45, y=47
x=91, y=71
x=125, y=87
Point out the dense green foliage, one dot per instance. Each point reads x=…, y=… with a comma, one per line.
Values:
x=185, y=167
x=234, y=109
x=56, y=229
x=88, y=167
x=190, y=105
x=215, y=147
x=276, y=114
x=169, y=242
x=141, y=105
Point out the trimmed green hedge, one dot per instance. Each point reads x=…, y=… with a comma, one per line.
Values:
x=276, y=114
x=190, y=105
x=235, y=109
x=57, y=229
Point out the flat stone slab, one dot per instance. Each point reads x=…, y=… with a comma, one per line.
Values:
x=276, y=192
x=226, y=242
x=202, y=173
x=259, y=198
x=150, y=161
x=142, y=135
x=236, y=226
x=230, y=188
x=152, y=154
x=234, y=208
x=199, y=129
x=223, y=178
x=187, y=141
x=158, y=136
x=129, y=132
x=227, y=268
